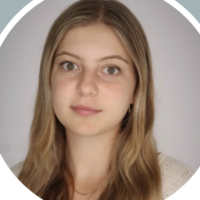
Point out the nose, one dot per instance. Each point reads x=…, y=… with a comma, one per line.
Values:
x=87, y=85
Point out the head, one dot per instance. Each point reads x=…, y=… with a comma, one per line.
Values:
x=98, y=39
x=91, y=31
x=91, y=67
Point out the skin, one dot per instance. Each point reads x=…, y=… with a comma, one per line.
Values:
x=90, y=83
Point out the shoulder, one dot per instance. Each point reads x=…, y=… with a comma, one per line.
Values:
x=16, y=169
x=174, y=174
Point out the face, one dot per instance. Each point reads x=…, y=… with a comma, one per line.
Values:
x=92, y=68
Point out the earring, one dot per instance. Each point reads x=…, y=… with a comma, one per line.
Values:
x=129, y=110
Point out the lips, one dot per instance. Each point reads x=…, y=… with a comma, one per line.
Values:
x=85, y=110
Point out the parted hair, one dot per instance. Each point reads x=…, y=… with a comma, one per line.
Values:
x=134, y=172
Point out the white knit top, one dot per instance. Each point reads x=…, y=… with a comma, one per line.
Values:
x=174, y=174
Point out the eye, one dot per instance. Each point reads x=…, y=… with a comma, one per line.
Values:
x=112, y=70
x=68, y=66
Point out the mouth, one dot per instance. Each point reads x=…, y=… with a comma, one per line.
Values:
x=85, y=110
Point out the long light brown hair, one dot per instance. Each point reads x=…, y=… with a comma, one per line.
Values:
x=134, y=171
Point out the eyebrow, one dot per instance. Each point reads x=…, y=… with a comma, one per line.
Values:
x=101, y=59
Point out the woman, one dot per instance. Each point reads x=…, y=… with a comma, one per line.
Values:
x=91, y=135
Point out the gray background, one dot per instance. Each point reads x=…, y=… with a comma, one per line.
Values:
x=175, y=47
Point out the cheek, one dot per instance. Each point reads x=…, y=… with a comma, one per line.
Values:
x=121, y=89
x=121, y=99
x=61, y=91
x=117, y=102
x=116, y=94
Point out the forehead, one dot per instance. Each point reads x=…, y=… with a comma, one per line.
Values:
x=98, y=38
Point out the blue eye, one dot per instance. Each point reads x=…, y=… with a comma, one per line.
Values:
x=112, y=70
x=68, y=66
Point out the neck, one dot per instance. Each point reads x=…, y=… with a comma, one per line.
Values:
x=89, y=158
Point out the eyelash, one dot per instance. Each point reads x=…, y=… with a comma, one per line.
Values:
x=115, y=67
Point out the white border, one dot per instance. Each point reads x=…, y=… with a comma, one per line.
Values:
x=16, y=18
x=185, y=13
x=10, y=187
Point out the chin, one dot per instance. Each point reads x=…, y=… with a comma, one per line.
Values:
x=83, y=130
